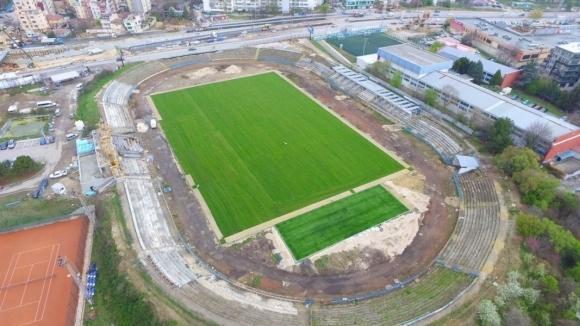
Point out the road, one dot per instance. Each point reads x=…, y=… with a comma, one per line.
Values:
x=150, y=46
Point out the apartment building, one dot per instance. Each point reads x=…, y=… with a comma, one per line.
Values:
x=139, y=6
x=563, y=65
x=32, y=14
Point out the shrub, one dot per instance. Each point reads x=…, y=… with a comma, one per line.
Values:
x=487, y=314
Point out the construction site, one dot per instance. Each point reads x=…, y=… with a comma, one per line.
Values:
x=359, y=281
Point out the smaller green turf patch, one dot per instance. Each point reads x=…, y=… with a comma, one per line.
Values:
x=330, y=224
x=358, y=45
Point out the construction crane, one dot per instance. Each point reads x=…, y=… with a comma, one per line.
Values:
x=14, y=41
x=62, y=261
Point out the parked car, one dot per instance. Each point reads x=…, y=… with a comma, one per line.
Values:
x=58, y=174
x=71, y=136
x=3, y=145
x=11, y=143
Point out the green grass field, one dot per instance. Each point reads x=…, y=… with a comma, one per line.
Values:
x=330, y=224
x=259, y=148
x=358, y=45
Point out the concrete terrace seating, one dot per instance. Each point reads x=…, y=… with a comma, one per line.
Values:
x=283, y=57
x=442, y=143
x=429, y=293
x=235, y=54
x=115, y=99
x=148, y=217
x=182, y=62
x=136, y=75
x=173, y=267
x=134, y=167
x=395, y=108
x=128, y=146
x=241, y=314
x=477, y=227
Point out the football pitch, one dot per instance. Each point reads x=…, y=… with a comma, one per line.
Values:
x=321, y=228
x=258, y=148
x=358, y=45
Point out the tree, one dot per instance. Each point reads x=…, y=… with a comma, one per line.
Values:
x=537, y=187
x=23, y=164
x=517, y=317
x=467, y=39
x=431, y=97
x=475, y=70
x=379, y=68
x=570, y=101
x=450, y=93
x=487, y=314
x=397, y=79
x=536, y=14
x=436, y=46
x=537, y=132
x=514, y=159
x=500, y=135
x=378, y=5
x=496, y=79
x=461, y=65
x=530, y=72
x=324, y=7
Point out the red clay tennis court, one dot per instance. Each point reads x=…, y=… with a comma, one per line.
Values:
x=34, y=289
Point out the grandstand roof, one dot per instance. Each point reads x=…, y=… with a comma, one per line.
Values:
x=377, y=89
x=414, y=59
x=489, y=66
x=64, y=76
x=465, y=163
x=496, y=105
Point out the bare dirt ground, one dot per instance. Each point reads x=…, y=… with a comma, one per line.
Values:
x=254, y=257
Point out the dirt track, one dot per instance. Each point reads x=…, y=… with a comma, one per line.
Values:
x=238, y=263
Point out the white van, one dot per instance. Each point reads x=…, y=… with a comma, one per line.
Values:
x=45, y=104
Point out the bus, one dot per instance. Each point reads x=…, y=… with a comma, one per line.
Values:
x=45, y=104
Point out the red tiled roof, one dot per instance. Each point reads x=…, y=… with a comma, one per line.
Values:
x=563, y=143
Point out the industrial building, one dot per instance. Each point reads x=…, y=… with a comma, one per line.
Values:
x=515, y=42
x=509, y=75
x=414, y=60
x=563, y=64
x=423, y=70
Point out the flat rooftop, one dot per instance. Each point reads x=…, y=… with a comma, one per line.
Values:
x=415, y=55
x=573, y=47
x=501, y=29
x=495, y=104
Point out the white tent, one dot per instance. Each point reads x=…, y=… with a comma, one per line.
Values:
x=58, y=188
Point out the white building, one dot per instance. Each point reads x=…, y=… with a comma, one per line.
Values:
x=285, y=6
x=139, y=6
x=32, y=14
x=135, y=24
